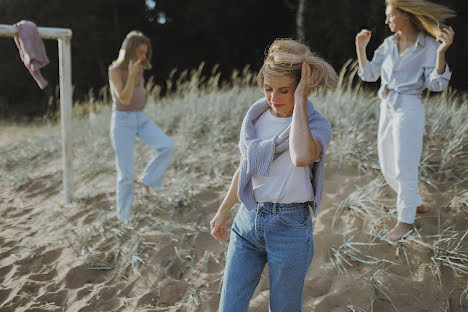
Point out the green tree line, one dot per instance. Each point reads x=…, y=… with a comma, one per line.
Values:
x=185, y=33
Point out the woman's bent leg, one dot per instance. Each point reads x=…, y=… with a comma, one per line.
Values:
x=152, y=135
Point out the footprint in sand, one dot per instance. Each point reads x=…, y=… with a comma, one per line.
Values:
x=84, y=292
x=17, y=213
x=92, y=205
x=4, y=293
x=56, y=298
x=80, y=215
x=38, y=265
x=44, y=277
x=30, y=289
x=3, y=273
x=171, y=291
x=103, y=304
x=149, y=299
x=9, y=252
x=47, y=185
x=318, y=286
x=6, y=213
x=17, y=301
x=79, y=276
x=50, y=256
x=209, y=263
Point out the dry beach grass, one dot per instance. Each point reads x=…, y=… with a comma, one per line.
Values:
x=77, y=257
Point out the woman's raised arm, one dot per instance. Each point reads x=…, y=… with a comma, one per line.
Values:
x=125, y=92
x=304, y=149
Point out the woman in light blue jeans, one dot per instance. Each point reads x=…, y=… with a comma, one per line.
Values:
x=130, y=122
x=282, y=143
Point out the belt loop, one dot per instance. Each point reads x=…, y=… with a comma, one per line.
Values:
x=274, y=209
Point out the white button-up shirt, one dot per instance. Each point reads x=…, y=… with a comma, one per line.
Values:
x=409, y=73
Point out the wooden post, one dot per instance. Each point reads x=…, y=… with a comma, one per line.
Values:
x=63, y=35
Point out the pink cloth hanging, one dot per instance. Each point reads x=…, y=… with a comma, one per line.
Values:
x=32, y=50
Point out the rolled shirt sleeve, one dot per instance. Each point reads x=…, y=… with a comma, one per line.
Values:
x=372, y=69
x=434, y=81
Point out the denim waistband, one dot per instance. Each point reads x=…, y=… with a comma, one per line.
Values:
x=278, y=207
x=129, y=111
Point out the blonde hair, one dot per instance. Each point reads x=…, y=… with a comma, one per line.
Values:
x=425, y=15
x=285, y=57
x=133, y=40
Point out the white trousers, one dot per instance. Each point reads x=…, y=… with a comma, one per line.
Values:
x=400, y=140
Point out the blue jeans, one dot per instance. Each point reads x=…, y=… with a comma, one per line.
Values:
x=280, y=234
x=125, y=128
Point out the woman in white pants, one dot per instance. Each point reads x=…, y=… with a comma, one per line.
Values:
x=407, y=62
x=130, y=122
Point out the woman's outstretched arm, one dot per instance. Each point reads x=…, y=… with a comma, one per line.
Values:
x=218, y=223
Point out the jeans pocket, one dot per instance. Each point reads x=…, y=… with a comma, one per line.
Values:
x=294, y=219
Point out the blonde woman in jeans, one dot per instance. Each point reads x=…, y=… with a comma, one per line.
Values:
x=282, y=143
x=407, y=62
x=130, y=122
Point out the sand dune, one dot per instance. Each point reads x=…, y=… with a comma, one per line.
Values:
x=78, y=257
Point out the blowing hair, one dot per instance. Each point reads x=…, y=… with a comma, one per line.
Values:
x=285, y=57
x=425, y=15
x=133, y=39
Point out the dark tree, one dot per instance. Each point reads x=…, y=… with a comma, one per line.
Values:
x=185, y=33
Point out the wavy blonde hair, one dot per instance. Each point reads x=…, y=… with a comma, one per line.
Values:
x=129, y=46
x=425, y=15
x=285, y=57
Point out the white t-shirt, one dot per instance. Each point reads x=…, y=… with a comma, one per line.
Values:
x=285, y=182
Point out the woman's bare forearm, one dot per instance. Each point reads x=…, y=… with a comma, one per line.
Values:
x=440, y=62
x=126, y=94
x=231, y=197
x=304, y=149
x=362, y=56
x=362, y=39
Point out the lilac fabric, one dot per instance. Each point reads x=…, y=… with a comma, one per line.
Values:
x=32, y=50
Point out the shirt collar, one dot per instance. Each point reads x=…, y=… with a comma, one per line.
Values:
x=421, y=40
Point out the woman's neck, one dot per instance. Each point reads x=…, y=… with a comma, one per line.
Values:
x=408, y=34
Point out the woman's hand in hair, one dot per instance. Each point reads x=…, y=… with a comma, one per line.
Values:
x=306, y=84
x=362, y=38
x=135, y=68
x=446, y=39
